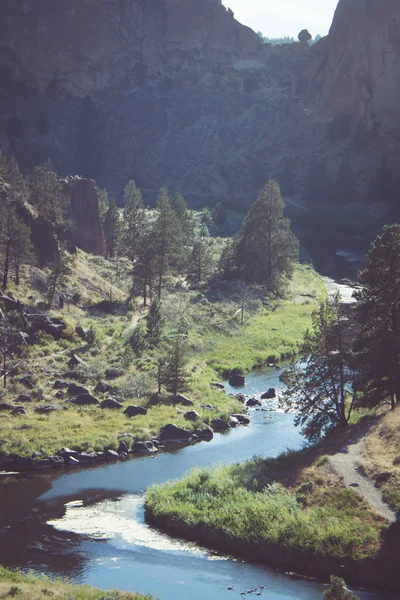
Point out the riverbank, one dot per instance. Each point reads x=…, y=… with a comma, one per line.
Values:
x=45, y=386
x=29, y=587
x=293, y=513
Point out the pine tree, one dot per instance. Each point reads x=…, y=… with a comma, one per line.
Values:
x=200, y=261
x=266, y=247
x=112, y=229
x=175, y=376
x=134, y=215
x=15, y=244
x=3, y=167
x=144, y=269
x=154, y=323
x=18, y=188
x=59, y=270
x=165, y=238
x=378, y=312
x=183, y=217
x=323, y=387
x=46, y=191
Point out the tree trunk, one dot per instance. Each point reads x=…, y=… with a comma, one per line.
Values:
x=6, y=265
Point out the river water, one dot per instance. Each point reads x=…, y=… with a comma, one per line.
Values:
x=89, y=524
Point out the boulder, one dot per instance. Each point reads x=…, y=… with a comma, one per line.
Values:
x=19, y=463
x=116, y=399
x=68, y=455
x=111, y=455
x=241, y=398
x=19, y=410
x=157, y=399
x=26, y=381
x=75, y=390
x=24, y=398
x=237, y=380
x=60, y=394
x=208, y=407
x=8, y=302
x=219, y=425
x=271, y=393
x=60, y=385
x=86, y=458
x=81, y=332
x=75, y=361
x=253, y=402
x=4, y=406
x=72, y=461
x=144, y=448
x=134, y=411
x=102, y=387
x=382, y=478
x=85, y=400
x=192, y=415
x=47, y=409
x=111, y=404
x=171, y=434
x=183, y=400
x=204, y=434
x=233, y=421
x=122, y=448
x=219, y=386
x=243, y=420
x=304, y=36
x=51, y=462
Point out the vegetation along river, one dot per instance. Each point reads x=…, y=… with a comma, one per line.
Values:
x=89, y=524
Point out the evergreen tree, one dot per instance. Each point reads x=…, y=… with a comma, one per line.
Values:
x=155, y=323
x=15, y=244
x=175, y=375
x=323, y=387
x=3, y=167
x=59, y=270
x=183, y=217
x=46, y=191
x=112, y=229
x=200, y=261
x=227, y=261
x=137, y=339
x=18, y=188
x=377, y=348
x=144, y=269
x=219, y=214
x=104, y=204
x=134, y=215
x=10, y=341
x=266, y=247
x=165, y=231
x=338, y=590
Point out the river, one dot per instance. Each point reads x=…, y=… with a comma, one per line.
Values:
x=89, y=525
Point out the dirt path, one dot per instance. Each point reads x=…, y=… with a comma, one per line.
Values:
x=346, y=463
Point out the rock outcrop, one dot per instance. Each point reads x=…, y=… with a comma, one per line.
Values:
x=178, y=92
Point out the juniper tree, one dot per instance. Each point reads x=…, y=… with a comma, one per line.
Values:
x=377, y=348
x=266, y=248
x=175, y=375
x=322, y=385
x=18, y=188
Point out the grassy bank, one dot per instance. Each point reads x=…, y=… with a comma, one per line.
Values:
x=292, y=512
x=218, y=343
x=29, y=587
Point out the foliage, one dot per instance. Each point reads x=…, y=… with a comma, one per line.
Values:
x=322, y=385
x=175, y=376
x=200, y=262
x=137, y=339
x=112, y=229
x=266, y=248
x=378, y=312
x=219, y=214
x=46, y=193
x=154, y=323
x=338, y=590
x=59, y=270
x=15, y=244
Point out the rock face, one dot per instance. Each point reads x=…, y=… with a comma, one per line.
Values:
x=178, y=92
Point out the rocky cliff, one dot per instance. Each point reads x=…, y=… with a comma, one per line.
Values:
x=178, y=92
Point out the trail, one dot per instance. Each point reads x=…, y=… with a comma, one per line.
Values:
x=346, y=463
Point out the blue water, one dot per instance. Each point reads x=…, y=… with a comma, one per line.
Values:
x=90, y=525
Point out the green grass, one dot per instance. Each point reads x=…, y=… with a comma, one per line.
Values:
x=31, y=587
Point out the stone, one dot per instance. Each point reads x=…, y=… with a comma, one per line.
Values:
x=60, y=394
x=75, y=361
x=19, y=463
x=19, y=410
x=219, y=425
x=81, y=332
x=237, y=380
x=67, y=454
x=208, y=407
x=191, y=415
x=8, y=302
x=134, y=411
x=382, y=478
x=60, y=385
x=183, y=400
x=26, y=381
x=4, y=406
x=74, y=389
x=271, y=393
x=122, y=448
x=157, y=399
x=219, y=386
x=72, y=461
x=87, y=458
x=233, y=421
x=51, y=462
x=243, y=419
x=111, y=455
x=111, y=404
x=85, y=400
x=102, y=387
x=241, y=398
x=144, y=448
x=171, y=433
x=47, y=409
x=204, y=434
x=253, y=402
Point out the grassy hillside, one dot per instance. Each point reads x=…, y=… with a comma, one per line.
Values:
x=29, y=587
x=218, y=343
